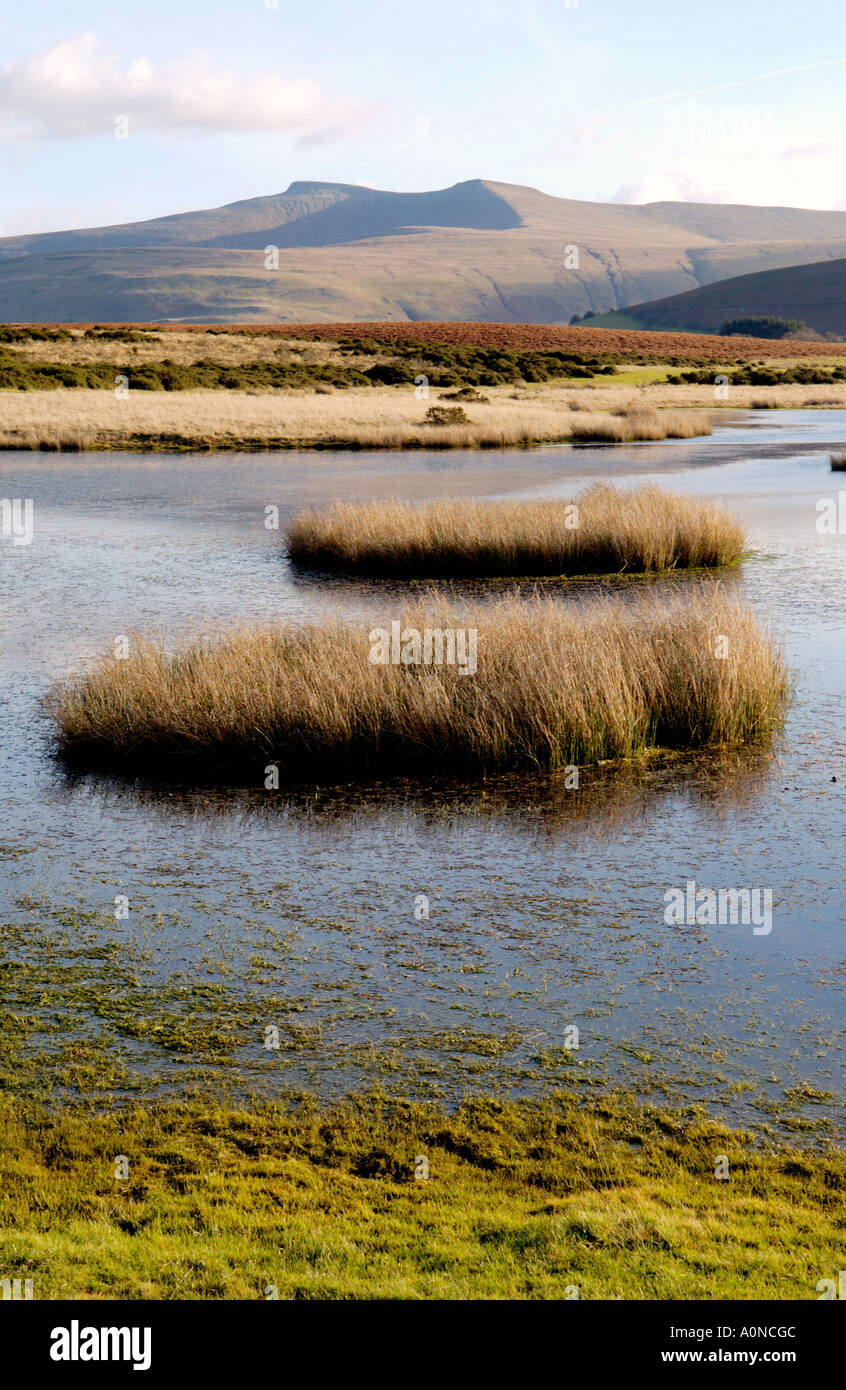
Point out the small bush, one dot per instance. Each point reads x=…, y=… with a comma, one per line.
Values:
x=759, y=374
x=121, y=335
x=466, y=393
x=389, y=374
x=446, y=415
x=13, y=333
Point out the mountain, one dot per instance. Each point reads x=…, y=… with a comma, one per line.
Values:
x=477, y=251
x=812, y=294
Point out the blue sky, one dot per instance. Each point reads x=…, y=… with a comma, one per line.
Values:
x=601, y=99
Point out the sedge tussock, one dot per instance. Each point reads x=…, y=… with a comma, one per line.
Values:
x=638, y=424
x=604, y=532
x=551, y=686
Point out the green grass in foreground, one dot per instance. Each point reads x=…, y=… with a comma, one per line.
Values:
x=525, y=1200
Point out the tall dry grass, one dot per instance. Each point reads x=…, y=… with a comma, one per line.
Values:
x=603, y=531
x=372, y=418
x=361, y=418
x=639, y=422
x=553, y=687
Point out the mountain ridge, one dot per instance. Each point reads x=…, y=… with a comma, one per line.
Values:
x=477, y=250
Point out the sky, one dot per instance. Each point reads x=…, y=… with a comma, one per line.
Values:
x=114, y=113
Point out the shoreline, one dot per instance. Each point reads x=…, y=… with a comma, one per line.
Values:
x=139, y=390
x=81, y=421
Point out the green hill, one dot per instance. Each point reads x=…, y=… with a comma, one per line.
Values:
x=815, y=295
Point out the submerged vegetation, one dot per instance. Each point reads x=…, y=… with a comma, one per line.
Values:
x=379, y=1197
x=603, y=532
x=487, y=687
x=383, y=1199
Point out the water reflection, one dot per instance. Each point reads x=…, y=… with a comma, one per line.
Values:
x=546, y=902
x=361, y=590
x=721, y=780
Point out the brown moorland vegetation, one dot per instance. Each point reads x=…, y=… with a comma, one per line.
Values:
x=550, y=687
x=619, y=342
x=603, y=531
x=246, y=389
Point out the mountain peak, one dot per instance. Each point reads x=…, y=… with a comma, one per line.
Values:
x=322, y=186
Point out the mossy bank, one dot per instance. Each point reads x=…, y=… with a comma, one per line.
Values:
x=384, y=1199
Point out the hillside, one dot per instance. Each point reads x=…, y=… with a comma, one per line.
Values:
x=477, y=251
x=812, y=294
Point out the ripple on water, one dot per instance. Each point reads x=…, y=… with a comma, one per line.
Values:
x=298, y=911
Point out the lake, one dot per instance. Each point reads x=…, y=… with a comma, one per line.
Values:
x=270, y=941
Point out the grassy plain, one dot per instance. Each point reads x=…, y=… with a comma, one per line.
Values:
x=172, y=388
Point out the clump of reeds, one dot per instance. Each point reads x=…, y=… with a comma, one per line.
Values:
x=640, y=423
x=838, y=462
x=603, y=532
x=551, y=687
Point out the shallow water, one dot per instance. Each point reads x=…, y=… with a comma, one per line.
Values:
x=250, y=910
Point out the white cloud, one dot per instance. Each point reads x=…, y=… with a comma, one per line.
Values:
x=660, y=187
x=808, y=177
x=77, y=88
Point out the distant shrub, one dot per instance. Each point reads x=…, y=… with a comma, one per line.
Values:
x=389, y=374
x=462, y=367
x=446, y=415
x=465, y=393
x=761, y=328
x=757, y=374
x=838, y=462
x=22, y=374
x=121, y=335
x=20, y=333
x=460, y=364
